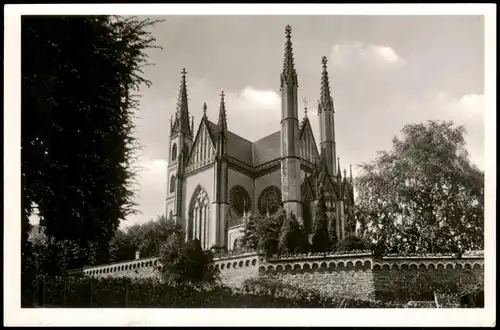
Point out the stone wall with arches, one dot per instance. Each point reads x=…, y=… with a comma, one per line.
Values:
x=138, y=268
x=359, y=276
x=362, y=276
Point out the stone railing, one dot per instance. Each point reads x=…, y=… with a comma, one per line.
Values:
x=365, y=260
x=245, y=263
x=232, y=253
x=244, y=260
x=121, y=268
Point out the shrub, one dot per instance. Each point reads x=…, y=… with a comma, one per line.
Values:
x=84, y=292
x=292, y=238
x=352, y=243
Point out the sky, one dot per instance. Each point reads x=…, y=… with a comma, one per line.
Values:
x=385, y=72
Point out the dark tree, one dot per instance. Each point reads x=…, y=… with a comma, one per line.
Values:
x=186, y=262
x=332, y=234
x=262, y=232
x=250, y=238
x=320, y=239
x=292, y=237
x=79, y=79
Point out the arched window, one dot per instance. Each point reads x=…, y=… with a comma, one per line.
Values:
x=170, y=215
x=172, y=184
x=174, y=151
x=199, y=214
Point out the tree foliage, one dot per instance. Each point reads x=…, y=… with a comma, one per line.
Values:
x=423, y=196
x=146, y=238
x=320, y=240
x=262, y=232
x=352, y=243
x=293, y=238
x=186, y=262
x=79, y=79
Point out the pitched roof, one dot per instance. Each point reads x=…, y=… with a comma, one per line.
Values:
x=237, y=147
x=267, y=148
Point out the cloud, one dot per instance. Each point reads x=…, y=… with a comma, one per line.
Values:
x=251, y=113
x=352, y=54
x=466, y=110
x=151, y=189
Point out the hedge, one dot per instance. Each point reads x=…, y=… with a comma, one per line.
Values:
x=149, y=293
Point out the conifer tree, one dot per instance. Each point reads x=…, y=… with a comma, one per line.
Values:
x=287, y=240
x=332, y=234
x=320, y=239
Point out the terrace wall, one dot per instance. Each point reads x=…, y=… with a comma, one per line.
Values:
x=359, y=276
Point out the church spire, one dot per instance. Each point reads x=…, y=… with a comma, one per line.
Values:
x=204, y=109
x=305, y=107
x=339, y=171
x=350, y=173
x=326, y=102
x=182, y=106
x=222, y=114
x=289, y=75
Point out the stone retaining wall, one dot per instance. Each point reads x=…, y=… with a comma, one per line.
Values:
x=357, y=276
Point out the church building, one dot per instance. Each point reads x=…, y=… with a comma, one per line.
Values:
x=216, y=177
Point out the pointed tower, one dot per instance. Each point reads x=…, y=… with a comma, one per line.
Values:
x=290, y=161
x=327, y=122
x=220, y=209
x=340, y=203
x=181, y=140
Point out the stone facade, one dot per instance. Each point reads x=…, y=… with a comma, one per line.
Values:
x=282, y=170
x=359, y=276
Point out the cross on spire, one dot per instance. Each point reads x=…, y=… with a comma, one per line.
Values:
x=204, y=109
x=289, y=75
x=222, y=113
x=182, y=112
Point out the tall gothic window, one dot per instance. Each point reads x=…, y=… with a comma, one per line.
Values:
x=172, y=184
x=174, y=152
x=199, y=214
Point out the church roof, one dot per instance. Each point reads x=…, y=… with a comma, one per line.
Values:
x=237, y=147
x=267, y=149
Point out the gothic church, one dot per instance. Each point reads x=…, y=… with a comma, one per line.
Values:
x=216, y=177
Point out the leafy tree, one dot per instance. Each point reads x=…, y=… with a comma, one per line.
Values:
x=79, y=79
x=320, y=239
x=262, y=232
x=146, y=238
x=352, y=243
x=332, y=234
x=350, y=220
x=423, y=196
x=250, y=237
x=185, y=262
x=292, y=237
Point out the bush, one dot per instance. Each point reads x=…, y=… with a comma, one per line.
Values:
x=352, y=243
x=81, y=292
